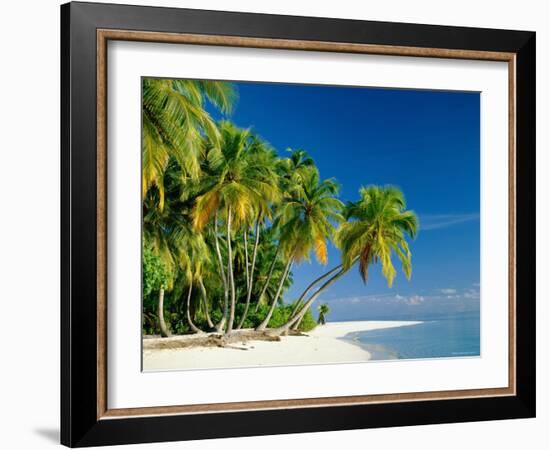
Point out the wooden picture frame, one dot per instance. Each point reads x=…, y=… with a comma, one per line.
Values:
x=85, y=416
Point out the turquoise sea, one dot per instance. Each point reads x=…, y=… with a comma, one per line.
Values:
x=456, y=335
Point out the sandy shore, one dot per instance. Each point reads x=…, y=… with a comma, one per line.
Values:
x=321, y=346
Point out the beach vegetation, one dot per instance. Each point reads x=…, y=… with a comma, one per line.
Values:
x=226, y=218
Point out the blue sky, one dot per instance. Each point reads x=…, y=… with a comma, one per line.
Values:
x=425, y=142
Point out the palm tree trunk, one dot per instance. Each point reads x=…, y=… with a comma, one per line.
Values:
x=298, y=303
x=205, y=303
x=162, y=324
x=247, y=274
x=252, y=267
x=189, y=320
x=221, y=324
x=270, y=274
x=265, y=322
x=295, y=319
x=230, y=274
x=284, y=328
x=296, y=325
x=301, y=313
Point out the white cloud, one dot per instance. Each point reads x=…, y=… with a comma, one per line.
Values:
x=415, y=300
x=448, y=291
x=441, y=297
x=437, y=221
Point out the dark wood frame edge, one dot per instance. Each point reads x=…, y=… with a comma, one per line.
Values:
x=105, y=35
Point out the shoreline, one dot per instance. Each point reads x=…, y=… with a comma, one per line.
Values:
x=325, y=344
x=377, y=351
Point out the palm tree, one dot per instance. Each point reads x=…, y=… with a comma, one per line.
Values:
x=170, y=235
x=238, y=183
x=158, y=238
x=265, y=156
x=291, y=172
x=154, y=278
x=293, y=169
x=270, y=266
x=377, y=226
x=174, y=121
x=306, y=221
x=323, y=311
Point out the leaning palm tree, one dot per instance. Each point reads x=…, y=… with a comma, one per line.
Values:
x=306, y=221
x=239, y=184
x=377, y=226
x=174, y=120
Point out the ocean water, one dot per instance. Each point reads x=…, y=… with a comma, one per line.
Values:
x=442, y=337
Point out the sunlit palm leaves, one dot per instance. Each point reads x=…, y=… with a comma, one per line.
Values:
x=377, y=226
x=240, y=175
x=307, y=218
x=174, y=119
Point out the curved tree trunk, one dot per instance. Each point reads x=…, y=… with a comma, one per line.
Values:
x=162, y=324
x=301, y=313
x=221, y=324
x=270, y=274
x=299, y=303
x=189, y=320
x=265, y=322
x=296, y=318
x=252, y=267
x=205, y=303
x=297, y=324
x=230, y=275
x=286, y=327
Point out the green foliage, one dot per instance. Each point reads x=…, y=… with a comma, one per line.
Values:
x=323, y=311
x=308, y=214
x=280, y=316
x=154, y=274
x=174, y=119
x=376, y=227
x=197, y=174
x=308, y=322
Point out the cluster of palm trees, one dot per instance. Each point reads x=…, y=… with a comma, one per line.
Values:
x=225, y=219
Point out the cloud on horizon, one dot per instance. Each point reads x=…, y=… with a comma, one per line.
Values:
x=448, y=291
x=386, y=305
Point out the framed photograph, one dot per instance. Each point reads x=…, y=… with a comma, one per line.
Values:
x=276, y=224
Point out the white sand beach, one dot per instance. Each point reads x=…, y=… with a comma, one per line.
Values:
x=322, y=345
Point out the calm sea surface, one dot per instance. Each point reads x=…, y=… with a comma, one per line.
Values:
x=449, y=336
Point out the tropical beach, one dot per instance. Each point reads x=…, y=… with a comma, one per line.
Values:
x=274, y=233
x=325, y=344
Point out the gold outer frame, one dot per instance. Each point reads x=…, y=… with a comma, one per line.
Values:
x=104, y=35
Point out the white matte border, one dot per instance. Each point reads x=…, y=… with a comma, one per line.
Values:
x=128, y=387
